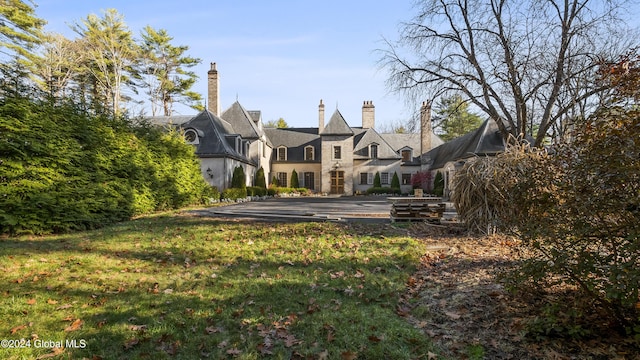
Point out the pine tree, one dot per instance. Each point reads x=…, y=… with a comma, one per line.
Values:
x=395, y=181
x=294, y=180
x=376, y=181
x=239, y=180
x=260, y=180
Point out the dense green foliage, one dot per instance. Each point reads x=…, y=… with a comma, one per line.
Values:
x=234, y=193
x=438, y=184
x=260, y=179
x=239, y=179
x=64, y=170
x=295, y=183
x=395, y=181
x=376, y=181
x=454, y=118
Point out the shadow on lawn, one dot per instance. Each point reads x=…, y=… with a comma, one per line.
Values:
x=178, y=308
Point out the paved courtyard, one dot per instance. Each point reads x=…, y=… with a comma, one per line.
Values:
x=348, y=208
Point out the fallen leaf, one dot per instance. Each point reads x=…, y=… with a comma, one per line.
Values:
x=31, y=301
x=348, y=355
x=131, y=343
x=323, y=355
x=65, y=306
x=211, y=330
x=431, y=356
x=138, y=327
x=234, y=352
x=76, y=325
x=52, y=302
x=18, y=328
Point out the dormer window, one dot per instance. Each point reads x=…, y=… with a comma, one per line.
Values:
x=281, y=154
x=406, y=155
x=309, y=153
x=373, y=151
x=191, y=136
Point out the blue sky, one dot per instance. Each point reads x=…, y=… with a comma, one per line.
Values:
x=279, y=56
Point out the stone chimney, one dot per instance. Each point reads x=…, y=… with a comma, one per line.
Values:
x=368, y=115
x=425, y=129
x=320, y=117
x=213, y=97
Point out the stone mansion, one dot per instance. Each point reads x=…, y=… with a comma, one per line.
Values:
x=332, y=157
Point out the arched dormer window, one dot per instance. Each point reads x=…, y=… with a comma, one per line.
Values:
x=373, y=151
x=192, y=136
x=281, y=154
x=309, y=153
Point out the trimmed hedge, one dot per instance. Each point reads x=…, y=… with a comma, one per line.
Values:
x=62, y=169
x=383, y=190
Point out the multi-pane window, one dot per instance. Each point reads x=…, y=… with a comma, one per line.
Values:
x=337, y=152
x=406, y=155
x=282, y=179
x=309, y=180
x=384, y=178
x=366, y=178
x=308, y=153
x=282, y=154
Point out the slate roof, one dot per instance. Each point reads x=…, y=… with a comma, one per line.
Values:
x=367, y=137
x=242, y=121
x=215, y=135
x=295, y=140
x=486, y=140
x=337, y=125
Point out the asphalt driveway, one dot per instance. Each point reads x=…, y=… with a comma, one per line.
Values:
x=322, y=208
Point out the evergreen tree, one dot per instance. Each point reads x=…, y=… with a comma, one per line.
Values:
x=20, y=29
x=455, y=118
x=239, y=180
x=294, y=180
x=395, y=181
x=260, y=180
x=438, y=184
x=376, y=181
x=163, y=69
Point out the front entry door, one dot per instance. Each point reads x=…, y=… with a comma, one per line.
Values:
x=337, y=182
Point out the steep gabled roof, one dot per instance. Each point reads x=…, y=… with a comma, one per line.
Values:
x=242, y=121
x=214, y=133
x=337, y=126
x=486, y=140
x=368, y=137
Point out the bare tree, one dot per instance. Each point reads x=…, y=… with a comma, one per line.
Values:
x=529, y=65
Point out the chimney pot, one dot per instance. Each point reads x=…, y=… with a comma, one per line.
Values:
x=320, y=117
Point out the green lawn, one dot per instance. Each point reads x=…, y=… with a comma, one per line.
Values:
x=175, y=286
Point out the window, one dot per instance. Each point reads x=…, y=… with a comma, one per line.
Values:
x=309, y=180
x=373, y=151
x=406, y=155
x=308, y=153
x=384, y=178
x=337, y=152
x=366, y=178
x=281, y=154
x=282, y=179
x=406, y=179
x=191, y=136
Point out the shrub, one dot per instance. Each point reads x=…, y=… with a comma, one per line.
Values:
x=294, y=179
x=239, y=179
x=260, y=179
x=256, y=191
x=422, y=180
x=376, y=180
x=438, y=184
x=234, y=193
x=395, y=181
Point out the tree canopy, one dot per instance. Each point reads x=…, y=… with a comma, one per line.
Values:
x=453, y=118
x=523, y=63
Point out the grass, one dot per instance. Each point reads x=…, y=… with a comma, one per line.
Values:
x=180, y=287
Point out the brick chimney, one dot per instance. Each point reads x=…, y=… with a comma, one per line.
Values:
x=425, y=129
x=320, y=117
x=368, y=115
x=213, y=97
